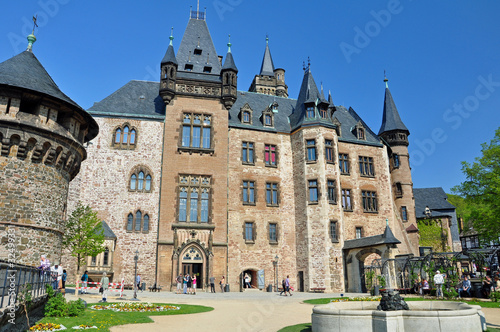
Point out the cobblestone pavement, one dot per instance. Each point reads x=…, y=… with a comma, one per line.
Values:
x=251, y=311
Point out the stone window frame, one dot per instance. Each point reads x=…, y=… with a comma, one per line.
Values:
x=141, y=229
x=248, y=189
x=276, y=240
x=309, y=187
x=404, y=213
x=203, y=186
x=396, y=161
x=369, y=201
x=105, y=257
x=334, y=236
x=124, y=145
x=206, y=122
x=344, y=164
x=268, y=149
x=311, y=147
x=346, y=195
x=254, y=231
x=269, y=188
x=136, y=172
x=398, y=190
x=310, y=109
x=361, y=231
x=329, y=151
x=366, y=166
x=360, y=131
x=247, y=150
x=248, y=110
x=332, y=189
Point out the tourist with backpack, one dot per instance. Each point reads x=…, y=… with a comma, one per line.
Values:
x=85, y=280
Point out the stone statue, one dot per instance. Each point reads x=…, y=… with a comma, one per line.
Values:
x=391, y=301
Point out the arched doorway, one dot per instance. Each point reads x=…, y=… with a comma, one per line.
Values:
x=253, y=278
x=193, y=263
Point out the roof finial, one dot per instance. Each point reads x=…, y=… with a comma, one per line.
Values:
x=387, y=222
x=198, y=10
x=303, y=65
x=386, y=80
x=229, y=44
x=267, y=39
x=171, y=36
x=32, y=38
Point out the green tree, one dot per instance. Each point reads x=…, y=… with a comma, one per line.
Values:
x=84, y=234
x=481, y=190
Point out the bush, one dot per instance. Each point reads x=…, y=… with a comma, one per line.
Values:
x=450, y=294
x=56, y=306
x=495, y=296
x=75, y=308
x=49, y=290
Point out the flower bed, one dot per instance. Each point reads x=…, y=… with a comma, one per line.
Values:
x=358, y=298
x=131, y=307
x=47, y=327
x=84, y=327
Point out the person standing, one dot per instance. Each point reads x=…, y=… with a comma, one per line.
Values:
x=64, y=276
x=56, y=272
x=287, y=285
x=222, y=284
x=85, y=280
x=44, y=266
x=185, y=283
x=247, y=281
x=179, y=283
x=138, y=282
x=439, y=281
x=189, y=283
x=194, y=284
x=487, y=285
x=105, y=286
x=212, y=284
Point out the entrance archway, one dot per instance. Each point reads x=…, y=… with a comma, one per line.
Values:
x=252, y=275
x=193, y=263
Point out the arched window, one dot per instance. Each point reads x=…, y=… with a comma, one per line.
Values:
x=130, y=222
x=105, y=260
x=118, y=136
x=148, y=183
x=125, y=135
x=138, y=220
x=145, y=225
x=140, y=183
x=133, y=180
x=132, y=137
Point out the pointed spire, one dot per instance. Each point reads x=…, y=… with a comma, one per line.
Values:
x=391, y=120
x=170, y=54
x=330, y=99
x=267, y=67
x=31, y=38
x=229, y=62
x=386, y=80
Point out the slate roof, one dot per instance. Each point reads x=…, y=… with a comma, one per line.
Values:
x=267, y=67
x=135, y=99
x=197, y=36
x=169, y=55
x=435, y=198
x=229, y=62
x=108, y=233
x=348, y=119
x=391, y=119
x=386, y=238
x=25, y=71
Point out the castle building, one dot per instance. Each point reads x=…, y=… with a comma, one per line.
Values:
x=205, y=179
x=42, y=136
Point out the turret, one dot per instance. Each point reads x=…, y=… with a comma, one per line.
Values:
x=168, y=72
x=229, y=78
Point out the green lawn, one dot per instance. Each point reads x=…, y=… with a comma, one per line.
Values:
x=484, y=304
x=306, y=327
x=104, y=319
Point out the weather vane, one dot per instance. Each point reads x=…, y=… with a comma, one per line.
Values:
x=34, y=24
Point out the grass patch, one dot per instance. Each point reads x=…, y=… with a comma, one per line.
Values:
x=104, y=319
x=484, y=304
x=306, y=327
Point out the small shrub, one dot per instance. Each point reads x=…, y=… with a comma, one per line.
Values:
x=495, y=296
x=76, y=308
x=56, y=306
x=450, y=294
x=50, y=291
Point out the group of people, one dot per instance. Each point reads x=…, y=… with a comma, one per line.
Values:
x=222, y=284
x=186, y=284
x=286, y=286
x=57, y=274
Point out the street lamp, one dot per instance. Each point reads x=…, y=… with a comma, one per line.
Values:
x=275, y=263
x=136, y=258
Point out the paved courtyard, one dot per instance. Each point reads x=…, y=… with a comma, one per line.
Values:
x=248, y=311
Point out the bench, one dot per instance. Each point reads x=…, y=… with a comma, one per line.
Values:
x=317, y=290
x=154, y=288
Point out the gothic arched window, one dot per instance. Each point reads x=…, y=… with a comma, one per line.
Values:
x=125, y=137
x=141, y=180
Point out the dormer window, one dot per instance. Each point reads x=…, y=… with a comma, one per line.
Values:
x=268, y=120
x=188, y=67
x=323, y=113
x=246, y=114
x=246, y=117
x=310, y=112
x=207, y=69
x=359, y=131
x=361, y=134
x=197, y=51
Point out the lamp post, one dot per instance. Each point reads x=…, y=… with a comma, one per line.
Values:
x=136, y=258
x=275, y=263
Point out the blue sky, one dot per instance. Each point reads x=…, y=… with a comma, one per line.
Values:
x=441, y=57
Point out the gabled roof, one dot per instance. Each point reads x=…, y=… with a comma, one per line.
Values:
x=108, y=233
x=435, y=198
x=139, y=99
x=25, y=71
x=370, y=241
x=391, y=119
x=197, y=37
x=267, y=67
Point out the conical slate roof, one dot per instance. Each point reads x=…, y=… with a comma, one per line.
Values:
x=169, y=55
x=391, y=120
x=229, y=62
x=25, y=71
x=267, y=67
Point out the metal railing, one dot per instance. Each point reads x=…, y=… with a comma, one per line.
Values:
x=16, y=278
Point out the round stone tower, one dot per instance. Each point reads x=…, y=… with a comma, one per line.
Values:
x=42, y=136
